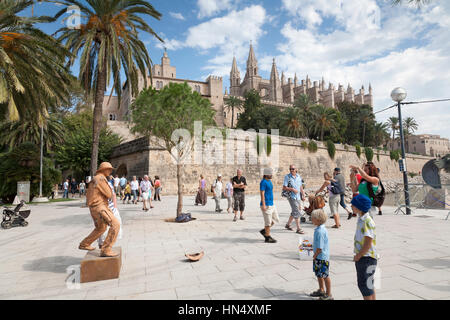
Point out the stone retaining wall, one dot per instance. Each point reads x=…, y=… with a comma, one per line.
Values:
x=141, y=157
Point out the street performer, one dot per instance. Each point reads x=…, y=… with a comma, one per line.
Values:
x=97, y=197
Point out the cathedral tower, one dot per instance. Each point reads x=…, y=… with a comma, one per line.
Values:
x=235, y=80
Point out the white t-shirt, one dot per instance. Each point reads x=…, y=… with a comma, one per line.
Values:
x=218, y=186
x=66, y=185
x=134, y=185
x=116, y=182
x=229, y=189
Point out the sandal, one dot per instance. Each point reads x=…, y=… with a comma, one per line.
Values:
x=317, y=293
x=300, y=231
x=288, y=227
x=336, y=227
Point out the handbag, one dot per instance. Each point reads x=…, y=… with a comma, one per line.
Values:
x=285, y=193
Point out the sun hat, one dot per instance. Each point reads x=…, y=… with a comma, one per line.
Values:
x=362, y=202
x=104, y=166
x=268, y=172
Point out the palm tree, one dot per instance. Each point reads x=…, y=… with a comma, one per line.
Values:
x=410, y=126
x=293, y=123
x=393, y=123
x=230, y=104
x=365, y=117
x=305, y=103
x=107, y=45
x=15, y=133
x=418, y=3
x=381, y=133
x=323, y=120
x=32, y=71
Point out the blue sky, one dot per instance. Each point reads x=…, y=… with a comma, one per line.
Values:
x=345, y=41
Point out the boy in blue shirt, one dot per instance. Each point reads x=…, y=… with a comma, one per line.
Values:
x=321, y=259
x=268, y=208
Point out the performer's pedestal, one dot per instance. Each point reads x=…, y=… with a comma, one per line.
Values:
x=96, y=268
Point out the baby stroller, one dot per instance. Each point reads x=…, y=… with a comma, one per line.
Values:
x=315, y=202
x=15, y=218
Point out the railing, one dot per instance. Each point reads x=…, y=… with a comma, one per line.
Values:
x=422, y=196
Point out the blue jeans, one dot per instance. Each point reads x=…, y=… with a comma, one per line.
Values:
x=134, y=192
x=343, y=205
x=66, y=194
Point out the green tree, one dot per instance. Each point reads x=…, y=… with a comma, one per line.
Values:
x=108, y=44
x=22, y=163
x=292, y=123
x=15, y=133
x=304, y=103
x=323, y=120
x=381, y=134
x=32, y=71
x=365, y=116
x=231, y=104
x=252, y=105
x=393, y=124
x=410, y=126
x=160, y=113
x=75, y=151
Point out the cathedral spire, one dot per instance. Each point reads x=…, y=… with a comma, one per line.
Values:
x=252, y=63
x=295, y=80
x=274, y=72
x=234, y=68
x=235, y=79
x=283, y=78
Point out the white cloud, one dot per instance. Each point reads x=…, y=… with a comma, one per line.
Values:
x=177, y=15
x=359, y=50
x=208, y=8
x=227, y=35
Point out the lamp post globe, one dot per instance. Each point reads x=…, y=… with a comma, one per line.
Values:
x=398, y=94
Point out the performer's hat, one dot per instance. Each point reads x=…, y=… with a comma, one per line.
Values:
x=105, y=166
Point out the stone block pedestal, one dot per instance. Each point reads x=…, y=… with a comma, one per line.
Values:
x=96, y=268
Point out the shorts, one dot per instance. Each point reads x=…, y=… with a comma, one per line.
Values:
x=146, y=195
x=239, y=201
x=365, y=270
x=321, y=268
x=295, y=206
x=334, y=203
x=270, y=215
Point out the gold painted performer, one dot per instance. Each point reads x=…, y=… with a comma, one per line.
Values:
x=97, y=197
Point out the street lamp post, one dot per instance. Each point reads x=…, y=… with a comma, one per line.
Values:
x=398, y=95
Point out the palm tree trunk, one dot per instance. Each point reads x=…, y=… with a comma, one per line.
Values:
x=364, y=134
x=97, y=121
x=393, y=139
x=232, y=117
x=180, y=190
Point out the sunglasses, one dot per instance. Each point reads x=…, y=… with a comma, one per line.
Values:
x=292, y=169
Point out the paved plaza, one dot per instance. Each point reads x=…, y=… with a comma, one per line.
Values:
x=414, y=264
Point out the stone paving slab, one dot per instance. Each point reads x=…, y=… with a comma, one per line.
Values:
x=414, y=264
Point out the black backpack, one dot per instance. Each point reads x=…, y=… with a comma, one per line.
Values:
x=336, y=187
x=378, y=199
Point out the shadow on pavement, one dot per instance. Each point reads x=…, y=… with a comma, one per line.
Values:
x=432, y=263
x=57, y=264
x=233, y=240
x=67, y=221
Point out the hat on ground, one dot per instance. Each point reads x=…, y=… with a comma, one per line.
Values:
x=195, y=256
x=362, y=202
x=105, y=166
x=268, y=172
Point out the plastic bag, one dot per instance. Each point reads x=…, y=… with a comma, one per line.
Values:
x=305, y=248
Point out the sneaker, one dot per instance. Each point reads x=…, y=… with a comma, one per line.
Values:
x=317, y=294
x=349, y=216
x=380, y=213
x=325, y=297
x=269, y=239
x=263, y=232
x=242, y=218
x=235, y=219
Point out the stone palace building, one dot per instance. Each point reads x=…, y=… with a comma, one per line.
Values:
x=275, y=91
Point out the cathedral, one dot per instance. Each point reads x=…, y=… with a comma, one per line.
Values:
x=279, y=92
x=274, y=91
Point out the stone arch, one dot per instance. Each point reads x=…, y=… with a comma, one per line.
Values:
x=122, y=170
